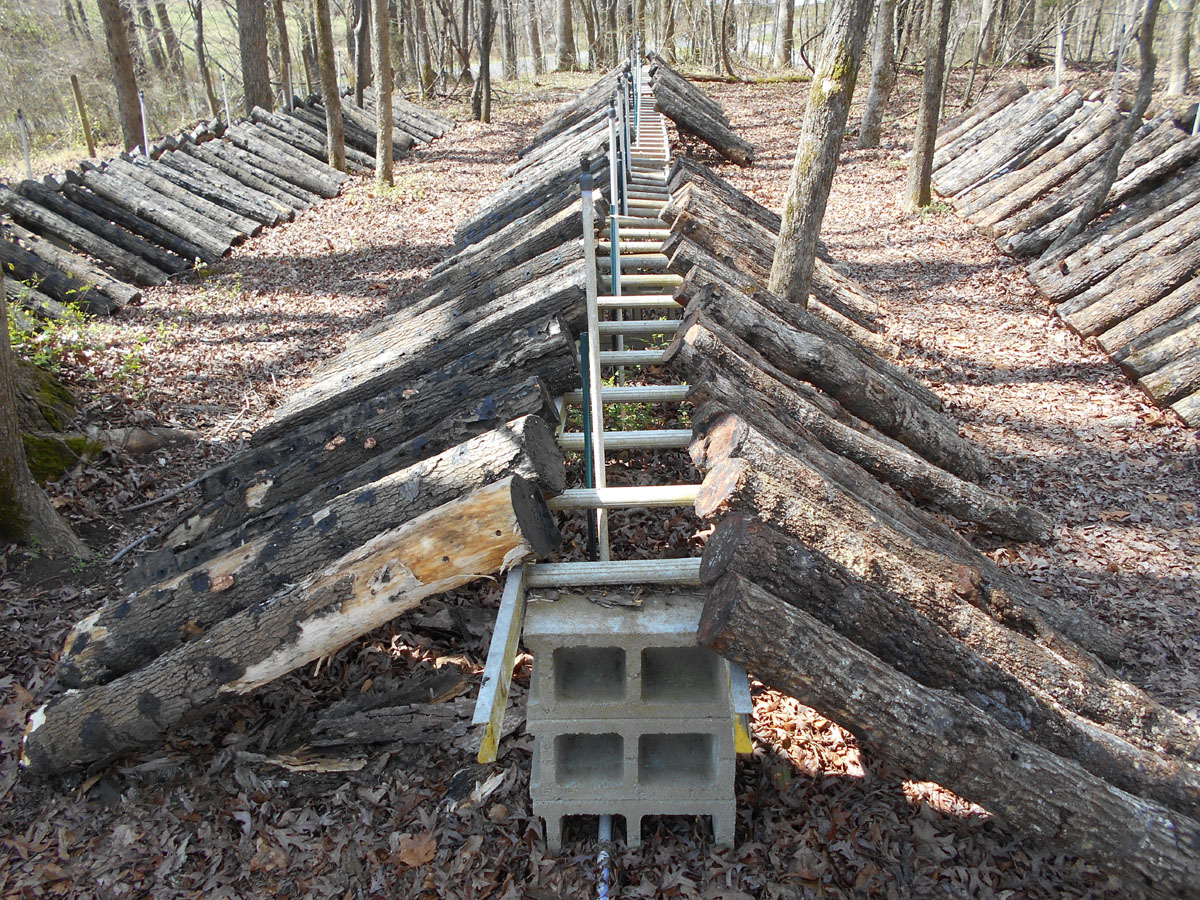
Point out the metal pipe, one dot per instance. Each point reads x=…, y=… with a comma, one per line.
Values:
x=225, y=97
x=24, y=144
x=145, y=131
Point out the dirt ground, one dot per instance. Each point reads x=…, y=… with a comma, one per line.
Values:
x=227, y=810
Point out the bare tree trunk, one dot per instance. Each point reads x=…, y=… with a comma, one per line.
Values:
x=197, y=10
x=668, y=30
x=565, y=59
x=487, y=27
x=362, y=50
x=920, y=167
x=308, y=50
x=335, y=134
x=26, y=515
x=426, y=55
x=987, y=17
x=817, y=153
x=1095, y=201
x=252, y=38
x=117, y=38
x=1181, y=48
x=157, y=56
x=883, y=75
x=782, y=57
x=73, y=28
x=171, y=40
x=508, y=39
x=533, y=27
x=383, y=94
x=285, y=50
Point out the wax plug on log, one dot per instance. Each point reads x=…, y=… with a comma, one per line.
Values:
x=486, y=532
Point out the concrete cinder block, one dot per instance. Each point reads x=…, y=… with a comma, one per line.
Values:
x=723, y=814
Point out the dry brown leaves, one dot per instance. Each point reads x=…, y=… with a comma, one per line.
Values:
x=819, y=816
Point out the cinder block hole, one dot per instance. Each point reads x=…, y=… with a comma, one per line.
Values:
x=680, y=675
x=683, y=759
x=677, y=828
x=586, y=760
x=584, y=830
x=583, y=674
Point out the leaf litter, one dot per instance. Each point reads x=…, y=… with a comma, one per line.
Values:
x=218, y=813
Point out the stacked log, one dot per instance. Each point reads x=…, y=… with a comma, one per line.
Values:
x=695, y=113
x=1129, y=278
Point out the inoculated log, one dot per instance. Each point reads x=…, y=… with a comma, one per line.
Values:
x=481, y=534
x=311, y=138
x=836, y=507
x=127, y=218
x=353, y=136
x=158, y=257
x=129, y=631
x=276, y=482
x=1132, y=288
x=227, y=193
x=985, y=128
x=992, y=154
x=661, y=73
x=402, y=142
x=887, y=626
x=1158, y=314
x=581, y=137
x=419, y=128
x=1159, y=345
x=22, y=265
x=858, y=388
x=685, y=170
x=988, y=106
x=420, y=343
x=721, y=368
x=287, y=149
x=103, y=295
x=582, y=106
x=212, y=175
x=697, y=122
x=207, y=212
x=236, y=163
x=266, y=157
x=147, y=204
x=1176, y=380
x=941, y=737
x=122, y=262
x=1189, y=409
x=31, y=300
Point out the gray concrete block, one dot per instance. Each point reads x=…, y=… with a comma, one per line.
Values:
x=722, y=812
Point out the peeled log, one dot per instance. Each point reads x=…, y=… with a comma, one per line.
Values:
x=940, y=737
x=129, y=631
x=888, y=626
x=486, y=532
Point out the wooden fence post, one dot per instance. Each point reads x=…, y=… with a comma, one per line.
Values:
x=83, y=116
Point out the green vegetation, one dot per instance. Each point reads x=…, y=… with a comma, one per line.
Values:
x=50, y=456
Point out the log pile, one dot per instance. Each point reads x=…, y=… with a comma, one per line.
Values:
x=415, y=462
x=834, y=576
x=696, y=113
x=136, y=220
x=1019, y=166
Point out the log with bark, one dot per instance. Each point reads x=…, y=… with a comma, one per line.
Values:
x=267, y=157
x=662, y=73
x=481, y=534
x=310, y=138
x=21, y=264
x=825, y=364
x=400, y=352
x=941, y=737
x=261, y=489
x=988, y=106
x=834, y=506
x=1006, y=117
x=258, y=140
x=218, y=188
x=1176, y=380
x=162, y=259
x=105, y=294
x=205, y=211
x=1189, y=409
x=213, y=241
x=402, y=141
x=582, y=106
x=31, y=300
x=238, y=164
x=50, y=224
x=131, y=630
x=1155, y=346
x=361, y=141
x=723, y=369
x=889, y=627
x=695, y=121
x=581, y=138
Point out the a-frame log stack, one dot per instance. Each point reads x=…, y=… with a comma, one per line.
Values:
x=136, y=220
x=1020, y=163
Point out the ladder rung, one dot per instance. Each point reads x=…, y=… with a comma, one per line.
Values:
x=625, y=221
x=630, y=262
x=630, y=571
x=635, y=203
x=636, y=393
x=655, y=439
x=647, y=280
x=644, y=233
x=644, y=194
x=625, y=497
x=648, y=301
x=631, y=357
x=665, y=326
x=634, y=247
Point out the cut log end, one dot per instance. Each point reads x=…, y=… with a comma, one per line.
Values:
x=536, y=522
x=720, y=485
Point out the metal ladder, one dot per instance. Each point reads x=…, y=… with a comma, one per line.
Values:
x=626, y=274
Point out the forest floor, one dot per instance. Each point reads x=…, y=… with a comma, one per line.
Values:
x=228, y=809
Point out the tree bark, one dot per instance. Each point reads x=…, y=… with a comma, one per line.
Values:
x=1095, y=201
x=129, y=631
x=941, y=737
x=27, y=516
x=117, y=38
x=724, y=370
x=205, y=214
x=883, y=75
x=817, y=153
x=888, y=627
x=483, y=533
x=157, y=56
x=252, y=43
x=487, y=26
x=335, y=137
x=383, y=91
x=564, y=52
x=171, y=42
x=694, y=120
x=243, y=166
x=534, y=30
x=918, y=190
x=201, y=51
x=126, y=218
x=104, y=293
x=1181, y=48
